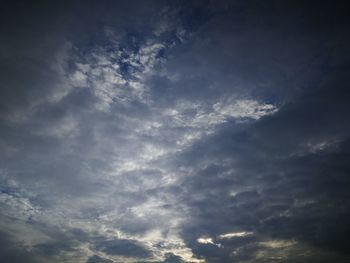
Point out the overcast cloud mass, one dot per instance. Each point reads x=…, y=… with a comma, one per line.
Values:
x=174, y=131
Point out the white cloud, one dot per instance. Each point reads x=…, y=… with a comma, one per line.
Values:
x=18, y=207
x=79, y=79
x=278, y=244
x=235, y=234
x=208, y=241
x=205, y=240
x=243, y=108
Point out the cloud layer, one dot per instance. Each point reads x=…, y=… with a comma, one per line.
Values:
x=174, y=131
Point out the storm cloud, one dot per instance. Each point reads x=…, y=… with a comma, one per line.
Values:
x=174, y=131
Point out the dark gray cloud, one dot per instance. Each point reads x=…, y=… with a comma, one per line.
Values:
x=285, y=181
x=97, y=259
x=123, y=247
x=174, y=131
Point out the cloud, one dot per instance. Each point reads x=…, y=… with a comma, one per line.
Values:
x=97, y=259
x=174, y=132
x=236, y=234
x=204, y=240
x=123, y=247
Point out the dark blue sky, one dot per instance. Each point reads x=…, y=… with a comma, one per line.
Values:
x=174, y=131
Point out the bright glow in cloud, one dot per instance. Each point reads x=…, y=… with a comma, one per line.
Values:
x=235, y=234
x=244, y=108
x=205, y=240
x=208, y=240
x=278, y=244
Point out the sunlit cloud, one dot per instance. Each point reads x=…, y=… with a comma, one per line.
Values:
x=235, y=234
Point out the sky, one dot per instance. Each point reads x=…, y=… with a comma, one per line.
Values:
x=173, y=131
